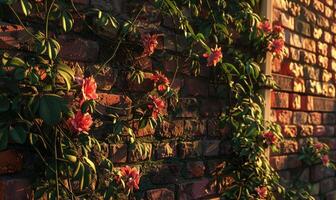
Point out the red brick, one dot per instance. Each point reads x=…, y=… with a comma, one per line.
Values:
x=306, y=130
x=165, y=150
x=172, y=128
x=194, y=190
x=289, y=130
x=279, y=99
x=187, y=107
x=329, y=118
x=315, y=118
x=278, y=162
x=195, y=127
x=195, y=87
x=78, y=49
x=118, y=153
x=300, y=118
x=319, y=131
x=165, y=174
x=284, y=82
x=15, y=188
x=211, y=107
x=210, y=147
x=190, y=149
x=295, y=101
x=140, y=152
x=145, y=131
x=290, y=146
x=195, y=168
x=160, y=194
x=12, y=36
x=327, y=185
x=284, y=116
x=112, y=103
x=11, y=161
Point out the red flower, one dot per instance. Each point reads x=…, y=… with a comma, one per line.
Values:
x=270, y=138
x=40, y=72
x=150, y=43
x=262, y=192
x=318, y=146
x=161, y=81
x=157, y=107
x=277, y=29
x=276, y=47
x=214, y=57
x=81, y=122
x=131, y=176
x=325, y=160
x=265, y=26
x=89, y=87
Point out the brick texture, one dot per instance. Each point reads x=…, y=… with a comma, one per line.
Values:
x=305, y=103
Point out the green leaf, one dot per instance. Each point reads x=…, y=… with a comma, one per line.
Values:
x=26, y=7
x=16, y=62
x=67, y=78
x=18, y=134
x=3, y=138
x=4, y=103
x=67, y=21
x=51, y=108
x=90, y=163
x=53, y=48
x=20, y=74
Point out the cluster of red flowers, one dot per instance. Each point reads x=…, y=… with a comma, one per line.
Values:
x=262, y=192
x=270, y=138
x=82, y=122
x=150, y=43
x=324, y=157
x=157, y=106
x=161, y=81
x=131, y=177
x=275, y=46
x=41, y=73
x=214, y=56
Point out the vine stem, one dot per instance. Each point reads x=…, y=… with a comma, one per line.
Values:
x=47, y=18
x=56, y=167
x=118, y=44
x=21, y=23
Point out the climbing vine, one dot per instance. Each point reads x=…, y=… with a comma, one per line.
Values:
x=51, y=106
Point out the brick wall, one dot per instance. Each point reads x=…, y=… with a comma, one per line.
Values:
x=305, y=103
x=180, y=154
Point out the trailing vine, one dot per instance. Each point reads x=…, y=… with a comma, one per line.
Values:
x=49, y=106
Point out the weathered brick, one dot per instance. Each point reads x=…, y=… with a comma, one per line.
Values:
x=210, y=147
x=195, y=87
x=140, y=152
x=295, y=101
x=195, y=127
x=327, y=185
x=284, y=82
x=329, y=118
x=284, y=116
x=190, y=149
x=194, y=189
x=305, y=130
x=172, y=128
x=12, y=188
x=118, y=153
x=165, y=174
x=279, y=99
x=302, y=27
x=289, y=130
x=211, y=107
x=160, y=194
x=112, y=103
x=195, y=168
x=315, y=118
x=187, y=107
x=300, y=118
x=78, y=49
x=289, y=146
x=11, y=161
x=165, y=150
